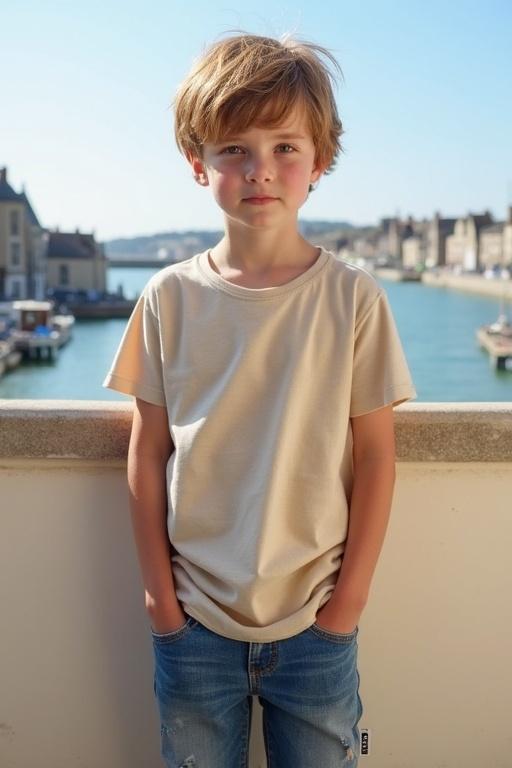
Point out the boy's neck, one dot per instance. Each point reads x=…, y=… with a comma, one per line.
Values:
x=262, y=259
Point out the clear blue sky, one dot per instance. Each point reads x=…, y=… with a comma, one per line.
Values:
x=86, y=124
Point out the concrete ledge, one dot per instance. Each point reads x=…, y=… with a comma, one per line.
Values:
x=75, y=430
x=94, y=431
x=454, y=432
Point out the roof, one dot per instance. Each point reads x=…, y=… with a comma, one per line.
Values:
x=72, y=245
x=7, y=194
x=493, y=228
x=385, y=224
x=412, y=236
x=6, y=191
x=447, y=226
x=481, y=219
x=30, y=211
x=32, y=305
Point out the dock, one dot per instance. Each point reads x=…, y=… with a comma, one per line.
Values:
x=398, y=275
x=497, y=340
x=100, y=310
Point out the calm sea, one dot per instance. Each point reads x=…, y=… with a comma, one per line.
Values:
x=436, y=325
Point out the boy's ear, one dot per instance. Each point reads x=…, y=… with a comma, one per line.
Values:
x=317, y=173
x=198, y=169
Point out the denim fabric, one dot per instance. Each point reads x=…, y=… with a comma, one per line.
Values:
x=308, y=686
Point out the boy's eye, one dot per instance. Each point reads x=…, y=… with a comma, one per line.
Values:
x=235, y=149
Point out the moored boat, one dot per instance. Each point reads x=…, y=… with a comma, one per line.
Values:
x=37, y=330
x=496, y=338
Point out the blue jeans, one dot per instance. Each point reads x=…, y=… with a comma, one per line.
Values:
x=308, y=686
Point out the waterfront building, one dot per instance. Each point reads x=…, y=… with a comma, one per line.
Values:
x=365, y=247
x=496, y=243
x=389, y=241
x=23, y=246
x=402, y=242
x=76, y=262
x=507, y=240
x=438, y=230
x=414, y=243
x=463, y=247
x=491, y=245
x=413, y=251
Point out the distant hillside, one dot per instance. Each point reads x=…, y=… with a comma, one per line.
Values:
x=324, y=227
x=175, y=246
x=168, y=246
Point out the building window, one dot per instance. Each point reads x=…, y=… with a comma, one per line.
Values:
x=63, y=274
x=15, y=222
x=15, y=289
x=15, y=254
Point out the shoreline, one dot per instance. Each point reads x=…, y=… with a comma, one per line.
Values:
x=477, y=284
x=491, y=287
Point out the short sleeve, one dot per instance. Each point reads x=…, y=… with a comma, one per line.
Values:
x=137, y=365
x=380, y=374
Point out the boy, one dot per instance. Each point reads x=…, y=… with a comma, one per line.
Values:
x=261, y=462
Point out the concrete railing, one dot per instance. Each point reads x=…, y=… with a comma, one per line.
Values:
x=76, y=660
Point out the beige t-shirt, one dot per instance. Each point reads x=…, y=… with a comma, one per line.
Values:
x=259, y=385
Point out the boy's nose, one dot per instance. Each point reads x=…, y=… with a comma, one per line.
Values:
x=258, y=169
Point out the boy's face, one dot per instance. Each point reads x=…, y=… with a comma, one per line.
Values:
x=261, y=176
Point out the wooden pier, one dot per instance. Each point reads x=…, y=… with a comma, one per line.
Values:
x=497, y=340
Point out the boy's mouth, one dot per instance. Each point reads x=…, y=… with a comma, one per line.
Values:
x=259, y=200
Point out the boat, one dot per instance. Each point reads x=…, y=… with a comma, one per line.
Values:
x=37, y=330
x=496, y=338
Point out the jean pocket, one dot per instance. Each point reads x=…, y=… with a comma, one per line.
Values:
x=176, y=634
x=334, y=637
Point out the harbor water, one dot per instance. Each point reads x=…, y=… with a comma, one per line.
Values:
x=436, y=325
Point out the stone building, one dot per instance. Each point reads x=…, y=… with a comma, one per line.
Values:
x=507, y=240
x=402, y=242
x=414, y=243
x=439, y=230
x=463, y=247
x=491, y=245
x=413, y=251
x=389, y=242
x=23, y=246
x=496, y=243
x=76, y=262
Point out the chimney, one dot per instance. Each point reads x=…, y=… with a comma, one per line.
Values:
x=509, y=219
x=3, y=175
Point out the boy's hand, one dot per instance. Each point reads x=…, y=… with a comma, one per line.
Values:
x=336, y=618
x=165, y=618
x=162, y=625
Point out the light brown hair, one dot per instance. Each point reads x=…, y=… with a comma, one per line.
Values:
x=250, y=80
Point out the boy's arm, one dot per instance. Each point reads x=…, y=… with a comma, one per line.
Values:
x=148, y=453
x=372, y=494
